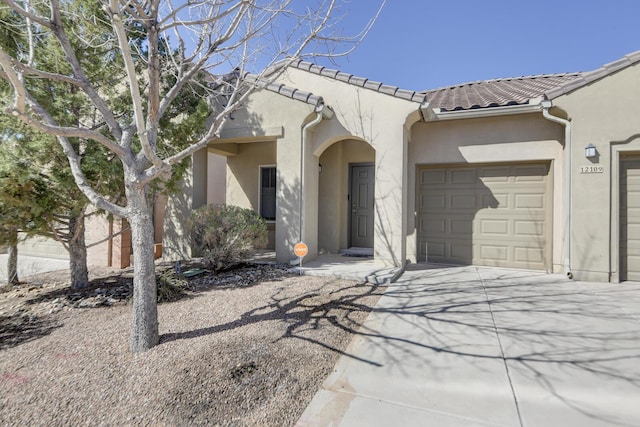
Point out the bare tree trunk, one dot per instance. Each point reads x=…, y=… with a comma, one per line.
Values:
x=78, y=253
x=144, y=326
x=12, y=261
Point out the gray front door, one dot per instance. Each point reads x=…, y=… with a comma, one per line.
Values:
x=361, y=201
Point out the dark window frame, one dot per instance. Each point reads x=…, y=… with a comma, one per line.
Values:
x=267, y=193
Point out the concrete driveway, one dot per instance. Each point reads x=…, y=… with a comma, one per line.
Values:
x=481, y=346
x=28, y=265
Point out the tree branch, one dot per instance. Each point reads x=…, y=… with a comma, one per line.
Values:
x=58, y=31
x=27, y=15
x=138, y=110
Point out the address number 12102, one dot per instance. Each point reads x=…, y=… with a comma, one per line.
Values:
x=591, y=169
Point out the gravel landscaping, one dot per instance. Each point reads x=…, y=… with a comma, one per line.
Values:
x=248, y=347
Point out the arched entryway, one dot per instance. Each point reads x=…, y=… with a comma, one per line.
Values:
x=346, y=196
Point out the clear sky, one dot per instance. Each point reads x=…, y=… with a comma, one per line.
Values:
x=425, y=44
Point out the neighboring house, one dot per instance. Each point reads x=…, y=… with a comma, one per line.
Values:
x=108, y=240
x=493, y=173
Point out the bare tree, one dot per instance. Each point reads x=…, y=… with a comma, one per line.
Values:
x=165, y=49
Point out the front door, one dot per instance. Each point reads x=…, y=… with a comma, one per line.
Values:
x=361, y=200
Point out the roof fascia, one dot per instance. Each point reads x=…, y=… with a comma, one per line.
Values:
x=597, y=74
x=435, y=114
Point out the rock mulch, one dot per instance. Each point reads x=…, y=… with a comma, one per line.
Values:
x=246, y=347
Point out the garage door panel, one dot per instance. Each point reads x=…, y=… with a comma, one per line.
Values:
x=42, y=247
x=488, y=175
x=433, y=202
x=432, y=176
x=498, y=218
x=530, y=175
x=632, y=201
x=459, y=250
x=529, y=201
x=463, y=201
x=529, y=229
x=434, y=226
x=461, y=227
x=494, y=253
x=437, y=249
x=633, y=180
x=496, y=201
x=498, y=227
x=630, y=219
x=462, y=176
x=528, y=255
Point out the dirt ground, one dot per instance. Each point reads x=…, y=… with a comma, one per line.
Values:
x=249, y=347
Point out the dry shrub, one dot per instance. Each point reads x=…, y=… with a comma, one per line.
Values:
x=226, y=235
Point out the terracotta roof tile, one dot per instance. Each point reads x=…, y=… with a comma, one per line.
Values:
x=474, y=95
x=288, y=91
x=496, y=93
x=357, y=81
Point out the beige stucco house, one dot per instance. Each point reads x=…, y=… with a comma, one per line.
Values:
x=539, y=172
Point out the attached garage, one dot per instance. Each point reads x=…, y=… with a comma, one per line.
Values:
x=492, y=215
x=630, y=219
x=42, y=247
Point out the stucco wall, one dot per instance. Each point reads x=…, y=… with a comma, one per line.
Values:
x=216, y=179
x=269, y=117
x=96, y=230
x=380, y=120
x=516, y=138
x=176, y=242
x=605, y=114
x=243, y=173
x=243, y=177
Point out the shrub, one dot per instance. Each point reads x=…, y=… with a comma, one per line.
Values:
x=225, y=235
x=170, y=286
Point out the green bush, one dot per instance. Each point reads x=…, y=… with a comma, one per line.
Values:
x=225, y=235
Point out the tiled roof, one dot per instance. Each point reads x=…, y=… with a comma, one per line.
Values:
x=468, y=96
x=307, y=97
x=294, y=93
x=519, y=90
x=496, y=93
x=395, y=91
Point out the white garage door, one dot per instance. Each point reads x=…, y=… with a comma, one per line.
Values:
x=630, y=219
x=493, y=215
x=42, y=247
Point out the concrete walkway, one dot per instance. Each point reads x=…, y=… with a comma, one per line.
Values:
x=471, y=346
x=352, y=268
x=28, y=265
x=364, y=269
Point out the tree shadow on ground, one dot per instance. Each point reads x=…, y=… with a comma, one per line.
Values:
x=543, y=328
x=536, y=325
x=117, y=287
x=19, y=329
x=307, y=311
x=23, y=325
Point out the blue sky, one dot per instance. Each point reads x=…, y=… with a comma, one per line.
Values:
x=424, y=44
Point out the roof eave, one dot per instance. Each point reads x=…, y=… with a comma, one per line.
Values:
x=435, y=114
x=592, y=76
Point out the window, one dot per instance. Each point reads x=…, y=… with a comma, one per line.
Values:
x=268, y=192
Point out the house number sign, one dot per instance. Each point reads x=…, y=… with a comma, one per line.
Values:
x=591, y=169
